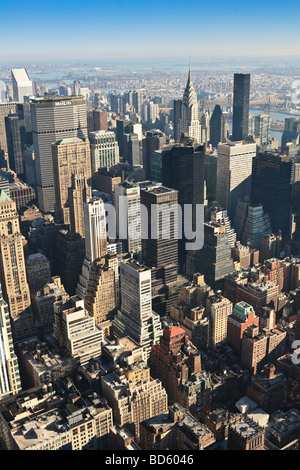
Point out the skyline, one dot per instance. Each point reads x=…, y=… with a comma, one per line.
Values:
x=159, y=29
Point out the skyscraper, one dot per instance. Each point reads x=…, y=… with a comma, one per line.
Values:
x=78, y=194
x=10, y=383
x=241, y=96
x=136, y=318
x=54, y=119
x=217, y=127
x=100, y=299
x=13, y=271
x=22, y=85
x=104, y=149
x=128, y=209
x=71, y=156
x=184, y=169
x=95, y=240
x=189, y=124
x=234, y=169
x=272, y=187
x=176, y=118
x=262, y=128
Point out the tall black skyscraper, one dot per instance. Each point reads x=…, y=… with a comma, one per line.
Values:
x=272, y=187
x=184, y=169
x=177, y=116
x=241, y=94
x=217, y=126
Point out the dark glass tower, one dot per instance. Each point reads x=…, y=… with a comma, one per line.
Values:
x=216, y=124
x=240, y=118
x=272, y=187
x=184, y=169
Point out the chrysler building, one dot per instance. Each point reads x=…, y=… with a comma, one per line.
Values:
x=189, y=124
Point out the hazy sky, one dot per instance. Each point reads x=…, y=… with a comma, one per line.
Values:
x=62, y=30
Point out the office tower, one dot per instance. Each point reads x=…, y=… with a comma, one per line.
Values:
x=256, y=226
x=291, y=131
x=243, y=315
x=71, y=156
x=272, y=187
x=78, y=194
x=132, y=403
x=214, y=259
x=95, y=239
x=131, y=149
x=241, y=96
x=13, y=271
x=10, y=383
x=5, y=110
x=218, y=309
x=189, y=124
x=217, y=127
x=14, y=143
x=136, y=318
x=54, y=119
x=76, y=88
x=38, y=271
x=245, y=434
x=262, y=128
x=115, y=103
x=22, y=85
x=211, y=182
x=128, y=213
x=18, y=136
x=251, y=223
x=234, y=169
x=218, y=215
x=160, y=248
x=99, y=300
x=99, y=120
x=184, y=169
x=69, y=256
x=176, y=118
x=75, y=330
x=104, y=150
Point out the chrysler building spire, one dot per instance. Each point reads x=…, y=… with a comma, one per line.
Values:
x=189, y=123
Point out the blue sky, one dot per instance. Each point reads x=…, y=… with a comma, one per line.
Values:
x=68, y=30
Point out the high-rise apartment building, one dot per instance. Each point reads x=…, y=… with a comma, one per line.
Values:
x=54, y=119
x=71, y=157
x=218, y=309
x=10, y=383
x=234, y=169
x=104, y=149
x=95, y=239
x=241, y=96
x=13, y=270
x=22, y=85
x=75, y=330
